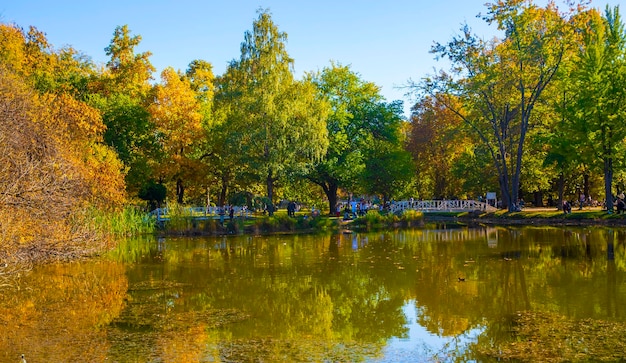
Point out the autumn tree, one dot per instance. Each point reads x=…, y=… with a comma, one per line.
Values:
x=29, y=55
x=437, y=140
x=176, y=115
x=277, y=124
x=120, y=93
x=129, y=72
x=499, y=82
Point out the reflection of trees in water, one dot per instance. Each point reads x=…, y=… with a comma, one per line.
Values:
x=516, y=269
x=60, y=312
x=293, y=289
x=340, y=295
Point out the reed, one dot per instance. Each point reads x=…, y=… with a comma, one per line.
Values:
x=129, y=221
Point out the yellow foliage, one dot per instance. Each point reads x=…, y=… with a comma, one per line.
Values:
x=52, y=166
x=176, y=114
x=12, y=47
x=65, y=303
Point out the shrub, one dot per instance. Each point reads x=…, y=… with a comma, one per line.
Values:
x=375, y=220
x=412, y=217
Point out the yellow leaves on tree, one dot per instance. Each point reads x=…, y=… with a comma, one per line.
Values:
x=12, y=52
x=52, y=167
x=176, y=114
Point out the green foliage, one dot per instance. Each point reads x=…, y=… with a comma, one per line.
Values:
x=388, y=170
x=179, y=219
x=321, y=224
x=282, y=223
x=275, y=123
x=598, y=99
x=358, y=122
x=275, y=223
x=154, y=193
x=410, y=215
x=376, y=220
x=131, y=133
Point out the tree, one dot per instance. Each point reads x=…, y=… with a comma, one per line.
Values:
x=29, y=55
x=201, y=79
x=598, y=107
x=120, y=93
x=388, y=169
x=437, y=140
x=354, y=103
x=277, y=123
x=176, y=116
x=130, y=72
x=500, y=82
x=388, y=166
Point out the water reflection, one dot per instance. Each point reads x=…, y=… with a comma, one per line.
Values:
x=427, y=294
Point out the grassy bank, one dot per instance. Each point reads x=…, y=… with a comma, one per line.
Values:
x=531, y=216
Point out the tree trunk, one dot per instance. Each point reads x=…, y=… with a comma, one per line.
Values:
x=223, y=191
x=608, y=183
x=208, y=197
x=538, y=199
x=561, y=188
x=440, y=185
x=270, y=192
x=331, y=193
x=180, y=191
x=504, y=192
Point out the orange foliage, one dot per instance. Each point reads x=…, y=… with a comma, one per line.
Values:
x=52, y=166
x=65, y=303
x=176, y=114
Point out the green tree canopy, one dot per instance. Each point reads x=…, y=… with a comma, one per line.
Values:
x=499, y=82
x=276, y=123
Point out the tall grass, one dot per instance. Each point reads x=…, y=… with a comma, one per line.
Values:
x=181, y=221
x=129, y=221
x=179, y=218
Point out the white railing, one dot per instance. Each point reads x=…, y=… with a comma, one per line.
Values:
x=441, y=206
x=163, y=214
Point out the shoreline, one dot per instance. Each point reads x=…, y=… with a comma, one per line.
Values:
x=526, y=218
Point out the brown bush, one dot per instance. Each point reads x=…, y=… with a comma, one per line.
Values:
x=52, y=167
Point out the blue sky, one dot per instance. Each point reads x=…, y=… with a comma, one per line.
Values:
x=386, y=42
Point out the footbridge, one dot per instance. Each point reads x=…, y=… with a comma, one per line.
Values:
x=443, y=205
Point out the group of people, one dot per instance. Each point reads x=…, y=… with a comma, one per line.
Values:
x=354, y=208
x=619, y=204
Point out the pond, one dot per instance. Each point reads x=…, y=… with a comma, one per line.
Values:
x=436, y=294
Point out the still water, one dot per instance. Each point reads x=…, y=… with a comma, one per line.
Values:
x=434, y=294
